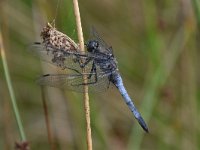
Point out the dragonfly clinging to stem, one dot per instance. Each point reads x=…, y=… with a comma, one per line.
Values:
x=99, y=63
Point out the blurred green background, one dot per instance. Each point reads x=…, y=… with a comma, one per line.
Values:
x=157, y=47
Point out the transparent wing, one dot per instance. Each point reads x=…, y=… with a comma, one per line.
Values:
x=74, y=82
x=39, y=50
x=63, y=59
x=104, y=47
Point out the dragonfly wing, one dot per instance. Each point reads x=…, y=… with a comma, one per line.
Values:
x=74, y=82
x=39, y=50
x=56, y=80
x=63, y=59
x=104, y=47
x=94, y=86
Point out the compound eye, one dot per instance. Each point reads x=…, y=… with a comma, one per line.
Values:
x=96, y=44
x=92, y=46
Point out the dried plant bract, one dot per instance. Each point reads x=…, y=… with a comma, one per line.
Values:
x=58, y=45
x=52, y=38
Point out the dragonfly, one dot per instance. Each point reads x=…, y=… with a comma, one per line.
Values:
x=98, y=61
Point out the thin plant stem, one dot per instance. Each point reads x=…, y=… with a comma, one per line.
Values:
x=86, y=96
x=46, y=114
x=196, y=5
x=11, y=91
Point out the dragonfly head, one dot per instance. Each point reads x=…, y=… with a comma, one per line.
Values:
x=92, y=45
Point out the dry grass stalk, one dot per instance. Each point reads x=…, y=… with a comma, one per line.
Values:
x=86, y=96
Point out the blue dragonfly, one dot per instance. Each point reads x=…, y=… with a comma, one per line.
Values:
x=99, y=63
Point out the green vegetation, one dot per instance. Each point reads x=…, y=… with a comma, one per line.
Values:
x=157, y=47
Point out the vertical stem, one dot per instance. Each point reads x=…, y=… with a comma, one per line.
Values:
x=49, y=131
x=86, y=96
x=11, y=91
x=196, y=5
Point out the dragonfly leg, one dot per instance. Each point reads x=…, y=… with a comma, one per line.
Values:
x=82, y=65
x=72, y=69
x=109, y=78
x=93, y=70
x=89, y=77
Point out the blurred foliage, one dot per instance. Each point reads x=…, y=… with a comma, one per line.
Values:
x=157, y=47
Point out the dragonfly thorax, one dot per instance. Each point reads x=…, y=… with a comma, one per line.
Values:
x=92, y=46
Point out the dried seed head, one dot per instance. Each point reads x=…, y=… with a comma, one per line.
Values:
x=52, y=38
